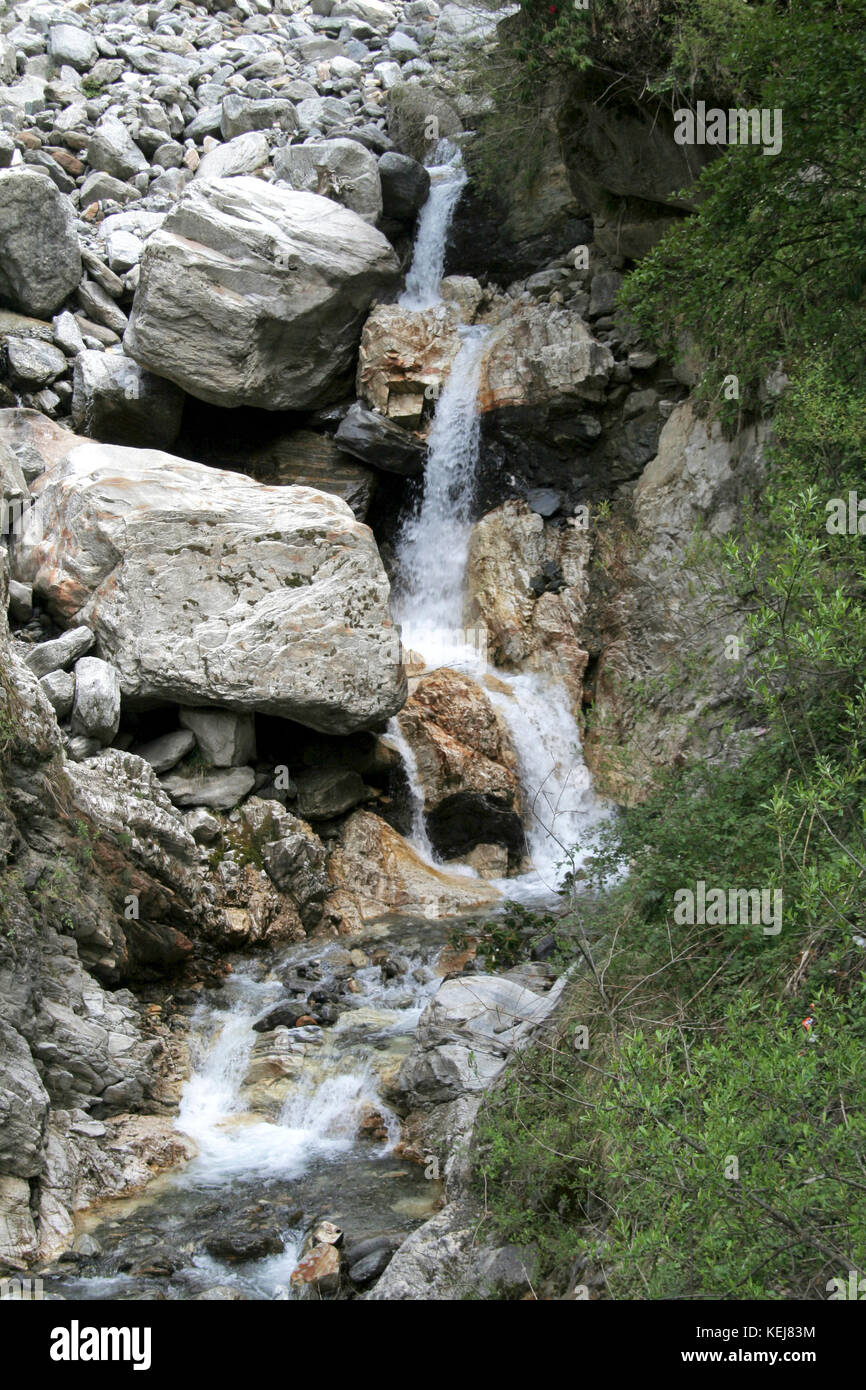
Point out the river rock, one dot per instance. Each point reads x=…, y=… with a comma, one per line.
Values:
x=40, y=262
x=242, y=155
x=465, y=763
x=113, y=150
x=378, y=441
x=340, y=169
x=206, y=588
x=377, y=874
x=254, y=294
x=117, y=401
x=318, y=1271
x=241, y=114
x=405, y=356
x=96, y=710
x=33, y=364
x=542, y=356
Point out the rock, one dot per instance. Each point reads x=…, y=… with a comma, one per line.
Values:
x=220, y=790
x=605, y=288
x=698, y=479
x=405, y=356
x=40, y=263
x=20, y=602
x=318, y=1271
x=241, y=114
x=530, y=627
x=542, y=356
x=322, y=114
x=67, y=43
x=116, y=400
x=61, y=652
x=465, y=765
x=339, y=169
x=166, y=752
x=224, y=739
x=378, y=441
x=544, y=501
x=96, y=711
x=328, y=792
x=405, y=186
x=369, y=1267
x=203, y=827
x=377, y=874
x=254, y=294
x=240, y=1244
x=18, y=1243
x=113, y=151
x=33, y=364
x=100, y=187
x=242, y=155
x=418, y=118
x=285, y=1015
x=156, y=551
x=301, y=457
x=59, y=689
x=67, y=334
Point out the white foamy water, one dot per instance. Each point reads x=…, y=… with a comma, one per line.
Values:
x=447, y=181
x=432, y=554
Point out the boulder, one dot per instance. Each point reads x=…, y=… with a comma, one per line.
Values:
x=224, y=739
x=166, y=752
x=405, y=186
x=242, y=114
x=405, y=356
x=221, y=790
x=301, y=457
x=112, y=150
x=541, y=355
x=59, y=653
x=119, y=402
x=378, y=441
x=251, y=293
x=340, y=169
x=378, y=877
x=96, y=710
x=67, y=43
x=205, y=588
x=40, y=261
x=241, y=155
x=465, y=764
x=33, y=364
x=328, y=792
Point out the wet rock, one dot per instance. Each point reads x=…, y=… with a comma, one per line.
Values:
x=405, y=186
x=365, y=1268
x=318, y=1272
x=40, y=261
x=239, y=1245
x=285, y=1015
x=378, y=441
x=273, y=286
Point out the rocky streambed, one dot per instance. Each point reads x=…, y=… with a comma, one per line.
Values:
x=319, y=1121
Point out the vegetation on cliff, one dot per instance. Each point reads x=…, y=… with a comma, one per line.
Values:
x=709, y=1140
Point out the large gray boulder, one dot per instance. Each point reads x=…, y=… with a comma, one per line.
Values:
x=253, y=294
x=96, y=710
x=340, y=169
x=206, y=588
x=40, y=261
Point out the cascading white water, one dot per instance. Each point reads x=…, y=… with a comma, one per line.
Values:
x=432, y=554
x=447, y=180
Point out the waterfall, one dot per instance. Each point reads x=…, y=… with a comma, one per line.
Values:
x=432, y=553
x=447, y=180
